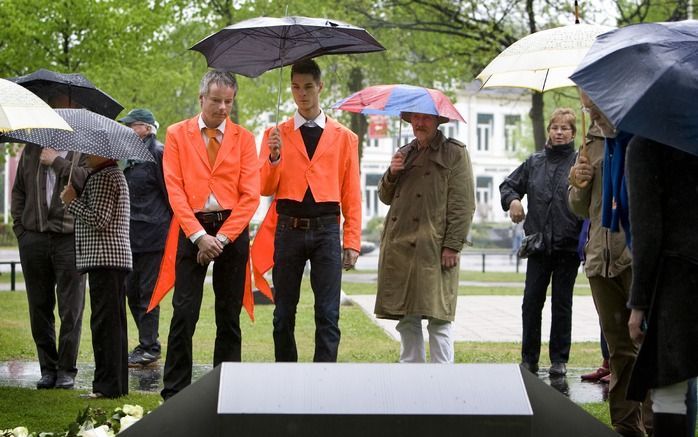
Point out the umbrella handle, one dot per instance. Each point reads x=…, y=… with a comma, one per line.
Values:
x=278, y=96
x=576, y=12
x=72, y=163
x=582, y=152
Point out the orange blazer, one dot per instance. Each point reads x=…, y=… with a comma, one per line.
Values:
x=332, y=174
x=234, y=178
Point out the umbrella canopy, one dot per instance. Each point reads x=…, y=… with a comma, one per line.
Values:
x=20, y=109
x=644, y=79
x=44, y=83
x=92, y=133
x=396, y=99
x=543, y=60
x=254, y=46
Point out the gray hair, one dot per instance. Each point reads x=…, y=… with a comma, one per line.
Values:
x=220, y=78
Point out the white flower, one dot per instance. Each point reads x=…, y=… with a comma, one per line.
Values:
x=20, y=431
x=133, y=410
x=102, y=431
x=127, y=421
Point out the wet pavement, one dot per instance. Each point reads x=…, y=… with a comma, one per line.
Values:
x=149, y=379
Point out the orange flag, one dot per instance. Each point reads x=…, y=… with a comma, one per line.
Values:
x=166, y=277
x=262, y=252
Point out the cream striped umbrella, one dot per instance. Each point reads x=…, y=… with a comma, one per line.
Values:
x=22, y=109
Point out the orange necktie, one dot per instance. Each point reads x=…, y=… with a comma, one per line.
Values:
x=213, y=145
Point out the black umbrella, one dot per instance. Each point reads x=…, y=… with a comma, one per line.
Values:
x=254, y=46
x=92, y=134
x=77, y=87
x=643, y=78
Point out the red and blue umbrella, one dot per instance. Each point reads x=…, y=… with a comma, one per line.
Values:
x=397, y=99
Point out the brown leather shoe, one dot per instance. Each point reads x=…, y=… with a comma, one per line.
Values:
x=596, y=374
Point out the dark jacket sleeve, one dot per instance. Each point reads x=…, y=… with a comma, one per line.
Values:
x=19, y=198
x=62, y=167
x=157, y=154
x=642, y=172
x=514, y=186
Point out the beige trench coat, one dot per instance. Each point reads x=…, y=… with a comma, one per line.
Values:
x=431, y=207
x=605, y=251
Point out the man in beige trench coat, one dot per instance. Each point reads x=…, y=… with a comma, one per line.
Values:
x=429, y=187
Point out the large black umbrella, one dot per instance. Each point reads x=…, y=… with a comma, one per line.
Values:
x=254, y=46
x=77, y=87
x=92, y=134
x=644, y=78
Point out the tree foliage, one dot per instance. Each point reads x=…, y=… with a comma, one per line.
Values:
x=137, y=51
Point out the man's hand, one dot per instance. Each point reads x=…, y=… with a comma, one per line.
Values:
x=48, y=155
x=68, y=194
x=397, y=163
x=635, y=325
x=449, y=258
x=516, y=211
x=349, y=258
x=209, y=248
x=274, y=142
x=582, y=171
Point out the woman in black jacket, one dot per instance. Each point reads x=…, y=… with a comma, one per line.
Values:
x=543, y=178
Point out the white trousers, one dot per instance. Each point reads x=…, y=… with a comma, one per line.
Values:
x=412, y=341
x=670, y=399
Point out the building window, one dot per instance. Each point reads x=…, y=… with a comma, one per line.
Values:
x=484, y=131
x=483, y=196
x=512, y=132
x=449, y=130
x=371, y=194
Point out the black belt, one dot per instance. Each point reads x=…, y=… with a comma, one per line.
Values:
x=306, y=223
x=212, y=216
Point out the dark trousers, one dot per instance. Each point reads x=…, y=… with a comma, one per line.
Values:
x=292, y=248
x=48, y=264
x=109, y=336
x=562, y=267
x=228, y=287
x=628, y=418
x=139, y=289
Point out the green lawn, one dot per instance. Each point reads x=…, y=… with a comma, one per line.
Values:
x=362, y=341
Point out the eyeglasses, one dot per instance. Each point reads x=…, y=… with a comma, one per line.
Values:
x=560, y=128
x=137, y=124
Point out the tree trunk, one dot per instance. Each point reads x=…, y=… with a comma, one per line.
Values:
x=358, y=124
x=536, y=113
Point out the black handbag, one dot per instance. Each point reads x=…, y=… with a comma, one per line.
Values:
x=531, y=245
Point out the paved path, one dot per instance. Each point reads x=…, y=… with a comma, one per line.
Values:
x=498, y=318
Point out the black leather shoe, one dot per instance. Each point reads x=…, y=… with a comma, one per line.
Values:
x=46, y=382
x=531, y=367
x=66, y=382
x=558, y=369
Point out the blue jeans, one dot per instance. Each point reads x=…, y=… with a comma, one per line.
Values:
x=292, y=248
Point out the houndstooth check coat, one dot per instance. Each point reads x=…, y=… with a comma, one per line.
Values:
x=102, y=215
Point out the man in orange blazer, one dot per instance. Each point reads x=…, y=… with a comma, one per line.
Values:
x=314, y=177
x=211, y=173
